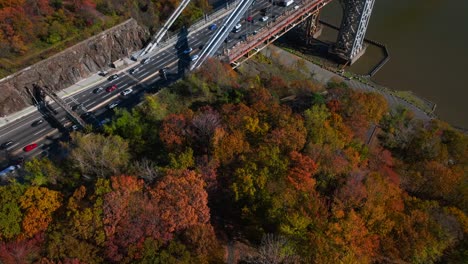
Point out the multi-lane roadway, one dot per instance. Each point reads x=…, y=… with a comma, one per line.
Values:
x=22, y=132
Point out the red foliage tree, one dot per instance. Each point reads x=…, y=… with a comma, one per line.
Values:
x=182, y=200
x=301, y=171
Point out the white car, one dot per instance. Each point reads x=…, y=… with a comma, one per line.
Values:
x=194, y=57
x=126, y=92
x=239, y=25
x=264, y=18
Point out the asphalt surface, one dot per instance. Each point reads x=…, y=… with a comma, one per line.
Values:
x=146, y=76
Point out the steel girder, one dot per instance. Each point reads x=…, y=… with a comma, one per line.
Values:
x=356, y=16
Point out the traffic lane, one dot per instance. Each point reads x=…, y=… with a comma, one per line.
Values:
x=13, y=127
x=92, y=99
x=20, y=133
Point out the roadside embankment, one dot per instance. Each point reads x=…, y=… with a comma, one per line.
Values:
x=72, y=65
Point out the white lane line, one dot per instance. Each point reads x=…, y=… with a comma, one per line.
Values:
x=107, y=95
x=143, y=75
x=12, y=146
x=4, y=134
x=40, y=131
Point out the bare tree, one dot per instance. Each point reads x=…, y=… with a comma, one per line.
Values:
x=98, y=155
x=146, y=169
x=273, y=249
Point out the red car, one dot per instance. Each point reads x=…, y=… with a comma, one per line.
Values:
x=111, y=88
x=249, y=19
x=30, y=147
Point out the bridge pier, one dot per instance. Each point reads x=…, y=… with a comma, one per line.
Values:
x=350, y=43
x=313, y=29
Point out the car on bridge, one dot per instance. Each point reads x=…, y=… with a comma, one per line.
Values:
x=30, y=147
x=111, y=88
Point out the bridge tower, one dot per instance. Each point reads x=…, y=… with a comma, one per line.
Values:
x=356, y=15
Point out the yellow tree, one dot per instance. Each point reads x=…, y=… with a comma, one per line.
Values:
x=38, y=203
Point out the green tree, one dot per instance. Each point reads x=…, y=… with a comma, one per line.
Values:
x=11, y=215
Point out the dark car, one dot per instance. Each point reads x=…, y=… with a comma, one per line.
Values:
x=37, y=122
x=7, y=144
x=77, y=106
x=113, y=77
x=98, y=90
x=227, y=40
x=132, y=71
x=113, y=105
x=145, y=61
x=17, y=161
x=87, y=115
x=163, y=73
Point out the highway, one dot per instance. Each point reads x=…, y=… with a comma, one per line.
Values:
x=45, y=135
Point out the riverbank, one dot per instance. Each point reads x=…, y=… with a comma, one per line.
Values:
x=325, y=74
x=316, y=55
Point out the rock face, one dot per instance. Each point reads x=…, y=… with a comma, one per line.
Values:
x=72, y=65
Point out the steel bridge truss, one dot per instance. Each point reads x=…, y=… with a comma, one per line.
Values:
x=264, y=37
x=356, y=16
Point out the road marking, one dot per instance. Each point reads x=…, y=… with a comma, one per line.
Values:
x=144, y=74
x=14, y=145
x=38, y=132
x=54, y=131
x=4, y=134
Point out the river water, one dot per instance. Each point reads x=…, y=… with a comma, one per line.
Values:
x=428, y=45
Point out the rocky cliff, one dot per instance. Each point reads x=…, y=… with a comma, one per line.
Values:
x=72, y=65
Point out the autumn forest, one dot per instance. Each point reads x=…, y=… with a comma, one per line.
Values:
x=291, y=170
x=31, y=30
